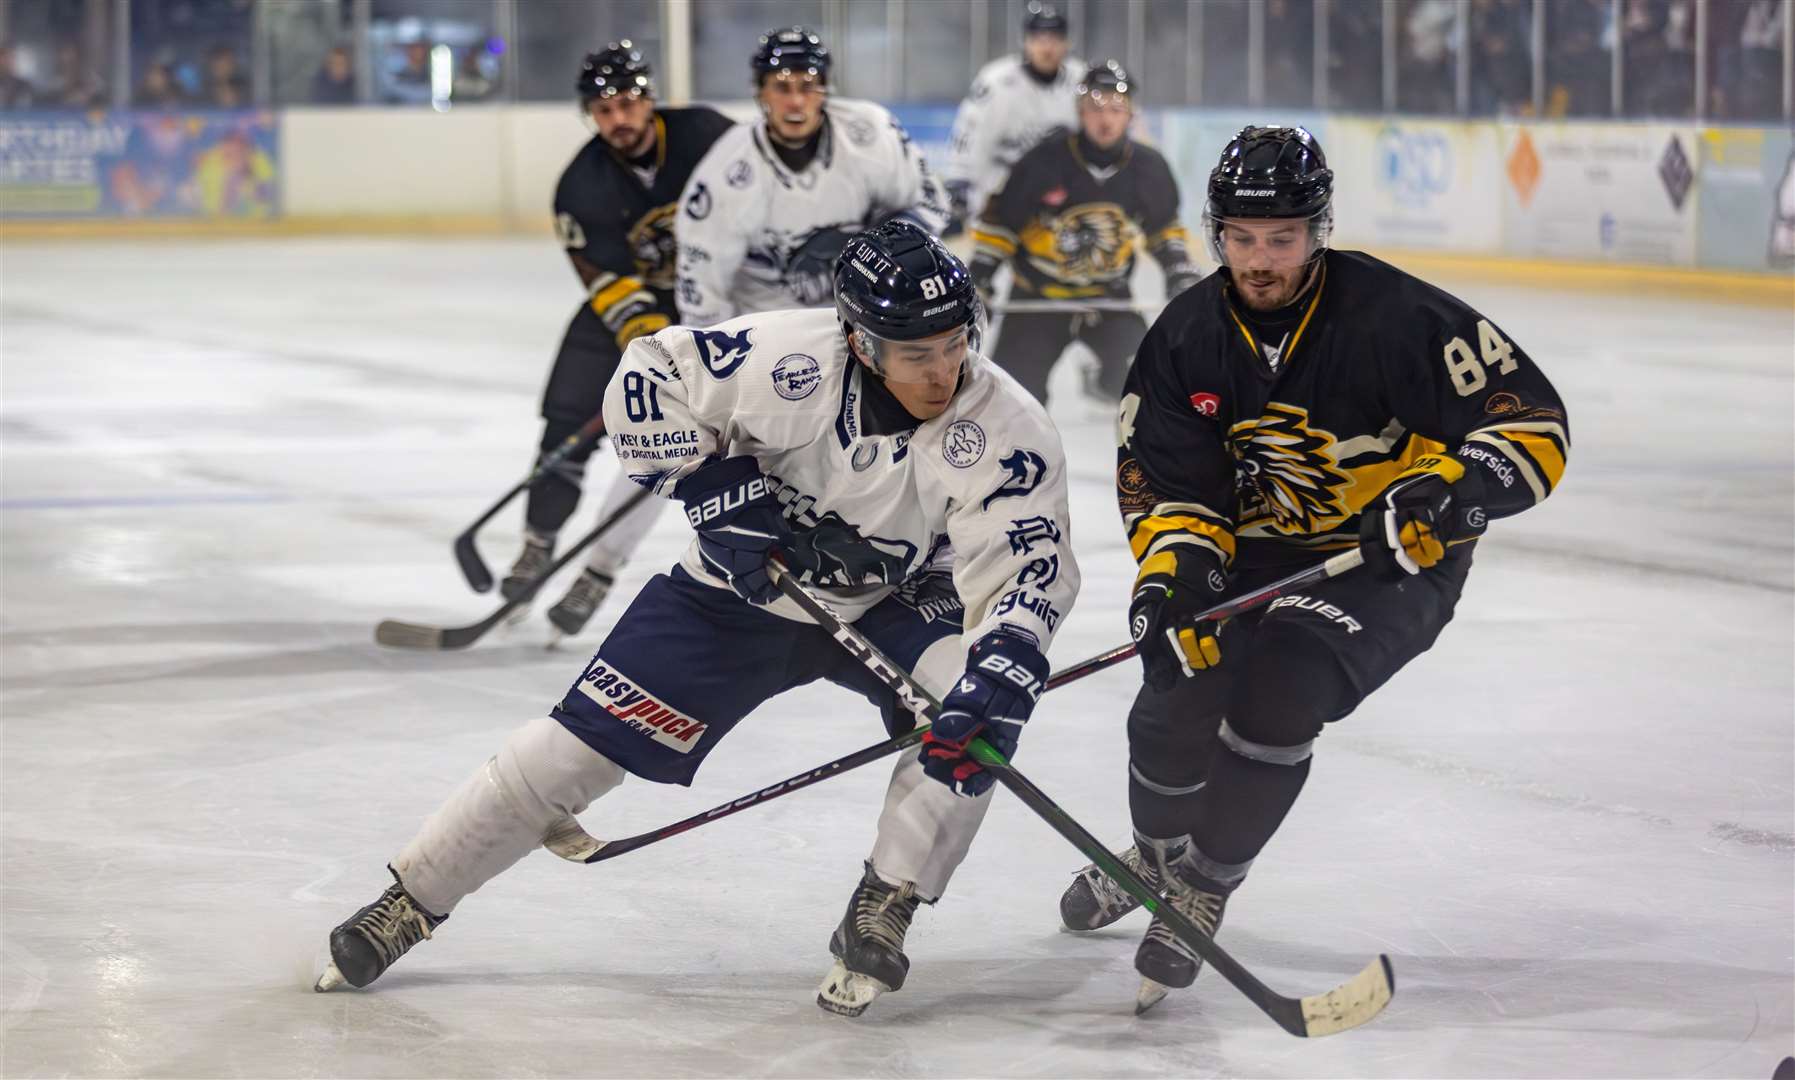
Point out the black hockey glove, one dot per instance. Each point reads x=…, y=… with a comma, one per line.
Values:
x=1004, y=677
x=739, y=524
x=833, y=554
x=1435, y=504
x=984, y=273
x=1171, y=643
x=959, y=196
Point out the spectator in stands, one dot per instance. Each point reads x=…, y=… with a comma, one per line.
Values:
x=409, y=83
x=1355, y=69
x=1425, y=78
x=475, y=76
x=1501, y=57
x=159, y=90
x=335, y=82
x=74, y=85
x=15, y=92
x=1658, y=37
x=226, y=86
x=1289, y=46
x=1579, y=58
x=1745, y=47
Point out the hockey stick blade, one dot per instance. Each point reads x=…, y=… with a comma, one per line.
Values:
x=398, y=634
x=1346, y=1006
x=467, y=555
x=575, y=844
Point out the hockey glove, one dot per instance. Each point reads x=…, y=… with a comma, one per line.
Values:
x=739, y=524
x=1004, y=676
x=1161, y=618
x=833, y=554
x=984, y=274
x=1409, y=526
x=959, y=196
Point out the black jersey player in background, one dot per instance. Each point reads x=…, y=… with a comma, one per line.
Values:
x=1297, y=402
x=1069, y=218
x=615, y=209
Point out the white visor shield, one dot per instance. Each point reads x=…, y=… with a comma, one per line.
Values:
x=932, y=360
x=1267, y=243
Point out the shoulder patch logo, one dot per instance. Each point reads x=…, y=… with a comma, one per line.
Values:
x=795, y=376
x=963, y=444
x=1026, y=470
x=698, y=203
x=722, y=353
x=1206, y=403
x=1286, y=477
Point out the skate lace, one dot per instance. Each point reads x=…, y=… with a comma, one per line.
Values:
x=586, y=592
x=393, y=925
x=1110, y=896
x=1202, y=908
x=534, y=559
x=883, y=913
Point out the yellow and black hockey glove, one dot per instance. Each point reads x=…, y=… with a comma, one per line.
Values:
x=1408, y=528
x=1172, y=589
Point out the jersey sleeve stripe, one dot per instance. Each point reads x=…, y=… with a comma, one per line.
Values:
x=1167, y=540
x=1522, y=463
x=652, y=322
x=1000, y=245
x=1141, y=538
x=618, y=289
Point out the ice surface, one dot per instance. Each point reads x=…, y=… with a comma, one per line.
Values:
x=1569, y=824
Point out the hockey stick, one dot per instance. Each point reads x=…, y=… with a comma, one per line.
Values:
x=1346, y=1006
x=397, y=634
x=572, y=842
x=575, y=844
x=479, y=578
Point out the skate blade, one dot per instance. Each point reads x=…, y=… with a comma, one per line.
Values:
x=847, y=993
x=330, y=980
x=1149, y=995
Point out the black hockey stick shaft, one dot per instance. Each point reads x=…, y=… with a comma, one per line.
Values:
x=399, y=634
x=575, y=844
x=1346, y=1006
x=572, y=842
x=467, y=556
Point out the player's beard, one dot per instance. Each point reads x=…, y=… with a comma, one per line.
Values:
x=1269, y=290
x=629, y=142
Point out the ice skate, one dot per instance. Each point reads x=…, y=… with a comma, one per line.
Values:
x=368, y=942
x=572, y=612
x=868, y=946
x=1094, y=900
x=532, y=562
x=1164, y=961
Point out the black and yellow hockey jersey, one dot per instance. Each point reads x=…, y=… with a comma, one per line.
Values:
x=1071, y=219
x=1262, y=452
x=616, y=220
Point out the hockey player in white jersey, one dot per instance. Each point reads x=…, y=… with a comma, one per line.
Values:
x=1014, y=101
x=772, y=204
x=896, y=470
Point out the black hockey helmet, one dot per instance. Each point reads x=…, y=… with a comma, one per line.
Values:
x=1040, y=18
x=792, y=48
x=1107, y=79
x=896, y=283
x=618, y=68
x=1275, y=173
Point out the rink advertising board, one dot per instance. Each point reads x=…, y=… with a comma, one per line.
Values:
x=1416, y=184
x=1601, y=192
x=1747, y=199
x=210, y=164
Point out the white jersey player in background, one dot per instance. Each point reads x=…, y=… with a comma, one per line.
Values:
x=872, y=446
x=772, y=204
x=1014, y=101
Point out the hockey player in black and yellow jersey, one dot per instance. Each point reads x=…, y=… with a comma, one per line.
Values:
x=1298, y=401
x=1069, y=220
x=614, y=212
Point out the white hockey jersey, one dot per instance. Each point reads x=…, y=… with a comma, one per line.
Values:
x=1007, y=111
x=982, y=485
x=755, y=236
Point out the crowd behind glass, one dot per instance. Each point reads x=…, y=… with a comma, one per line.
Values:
x=1510, y=58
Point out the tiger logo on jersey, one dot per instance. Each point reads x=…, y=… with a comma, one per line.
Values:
x=1285, y=477
x=652, y=243
x=1089, y=244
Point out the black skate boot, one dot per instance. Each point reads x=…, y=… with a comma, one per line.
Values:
x=1163, y=959
x=538, y=553
x=368, y=942
x=1094, y=900
x=868, y=946
x=570, y=615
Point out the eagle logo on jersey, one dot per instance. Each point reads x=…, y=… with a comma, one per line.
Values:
x=1286, y=478
x=1089, y=244
x=652, y=243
